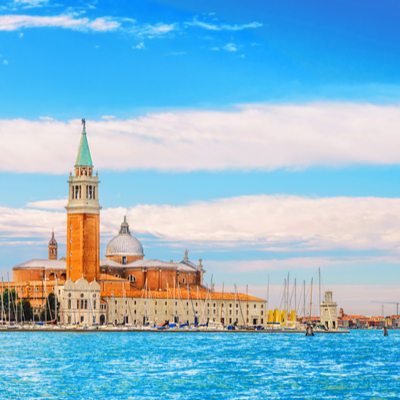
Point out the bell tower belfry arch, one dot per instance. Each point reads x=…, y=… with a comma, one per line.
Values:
x=83, y=217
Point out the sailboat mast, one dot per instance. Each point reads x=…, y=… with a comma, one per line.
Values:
x=247, y=304
x=2, y=301
x=304, y=299
x=319, y=287
x=295, y=295
x=311, y=298
x=267, y=301
x=8, y=295
x=168, y=302
x=55, y=302
x=222, y=301
x=21, y=303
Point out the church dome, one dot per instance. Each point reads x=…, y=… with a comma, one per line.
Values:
x=124, y=244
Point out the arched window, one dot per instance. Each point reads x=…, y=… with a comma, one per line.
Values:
x=117, y=276
x=183, y=280
x=132, y=278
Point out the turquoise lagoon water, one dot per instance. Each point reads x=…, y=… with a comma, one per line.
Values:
x=359, y=365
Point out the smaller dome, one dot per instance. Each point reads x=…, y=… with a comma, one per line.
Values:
x=124, y=244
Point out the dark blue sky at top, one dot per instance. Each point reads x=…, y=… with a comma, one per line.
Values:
x=309, y=50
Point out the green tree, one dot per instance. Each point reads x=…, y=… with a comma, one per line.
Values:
x=9, y=298
x=27, y=311
x=50, y=308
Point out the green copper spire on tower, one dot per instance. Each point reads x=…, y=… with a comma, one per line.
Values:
x=84, y=159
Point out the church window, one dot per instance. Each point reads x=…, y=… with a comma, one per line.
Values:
x=262, y=305
x=94, y=304
x=183, y=280
x=85, y=304
x=165, y=312
x=124, y=260
x=237, y=305
x=134, y=311
x=81, y=319
x=230, y=305
x=230, y=312
x=262, y=312
x=255, y=305
x=69, y=304
x=116, y=275
x=132, y=278
x=230, y=320
x=77, y=304
x=87, y=192
x=237, y=312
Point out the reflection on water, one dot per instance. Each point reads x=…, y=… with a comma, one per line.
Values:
x=214, y=366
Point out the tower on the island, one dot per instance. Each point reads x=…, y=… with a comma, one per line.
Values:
x=53, y=247
x=83, y=219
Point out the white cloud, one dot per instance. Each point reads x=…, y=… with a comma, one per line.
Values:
x=264, y=137
x=30, y=3
x=66, y=21
x=158, y=30
x=264, y=223
x=214, y=48
x=222, y=27
x=139, y=46
x=5, y=62
x=49, y=204
x=230, y=47
x=296, y=263
x=354, y=299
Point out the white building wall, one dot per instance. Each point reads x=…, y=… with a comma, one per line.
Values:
x=80, y=303
x=135, y=311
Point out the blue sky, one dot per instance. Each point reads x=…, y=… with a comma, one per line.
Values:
x=202, y=115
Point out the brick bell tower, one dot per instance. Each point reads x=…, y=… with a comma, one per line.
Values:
x=83, y=216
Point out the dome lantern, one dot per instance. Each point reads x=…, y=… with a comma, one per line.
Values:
x=124, y=248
